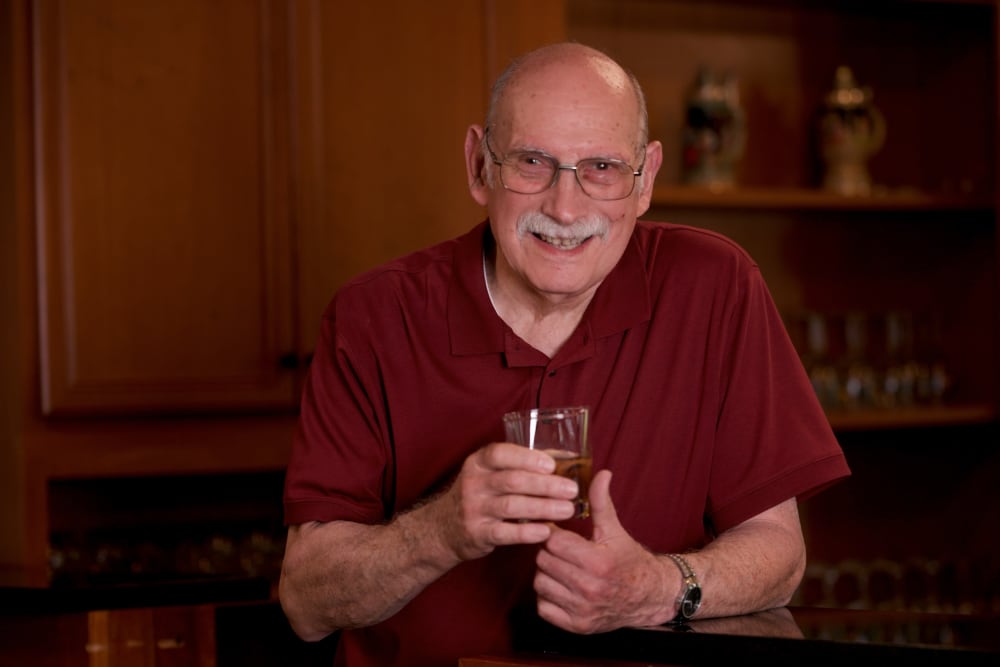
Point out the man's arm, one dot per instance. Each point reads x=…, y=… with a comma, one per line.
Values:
x=342, y=574
x=754, y=566
x=612, y=581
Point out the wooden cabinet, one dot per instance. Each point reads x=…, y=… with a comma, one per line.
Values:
x=183, y=185
x=207, y=174
x=161, y=165
x=147, y=637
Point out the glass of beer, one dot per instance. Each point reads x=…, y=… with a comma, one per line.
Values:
x=562, y=434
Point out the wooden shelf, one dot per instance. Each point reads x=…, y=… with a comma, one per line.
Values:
x=129, y=448
x=915, y=417
x=810, y=199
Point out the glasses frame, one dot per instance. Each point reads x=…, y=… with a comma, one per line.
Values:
x=559, y=167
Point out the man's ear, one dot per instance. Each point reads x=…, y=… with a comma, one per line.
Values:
x=475, y=165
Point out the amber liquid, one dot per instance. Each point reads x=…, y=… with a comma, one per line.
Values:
x=579, y=469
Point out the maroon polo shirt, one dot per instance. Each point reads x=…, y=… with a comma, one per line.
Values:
x=700, y=407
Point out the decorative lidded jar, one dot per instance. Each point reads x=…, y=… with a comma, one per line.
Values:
x=851, y=130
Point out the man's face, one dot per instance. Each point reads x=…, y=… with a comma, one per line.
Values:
x=561, y=243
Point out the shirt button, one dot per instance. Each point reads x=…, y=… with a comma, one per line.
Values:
x=552, y=374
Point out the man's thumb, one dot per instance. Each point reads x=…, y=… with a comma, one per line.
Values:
x=602, y=509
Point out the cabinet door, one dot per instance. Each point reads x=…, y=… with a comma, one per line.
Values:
x=161, y=205
x=384, y=93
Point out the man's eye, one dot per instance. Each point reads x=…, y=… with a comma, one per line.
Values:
x=602, y=171
x=533, y=164
x=529, y=160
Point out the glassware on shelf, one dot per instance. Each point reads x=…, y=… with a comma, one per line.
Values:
x=963, y=585
x=822, y=372
x=859, y=381
x=915, y=351
x=125, y=554
x=864, y=361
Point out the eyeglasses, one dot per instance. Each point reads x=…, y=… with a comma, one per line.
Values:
x=531, y=172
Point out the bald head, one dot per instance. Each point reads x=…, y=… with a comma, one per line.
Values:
x=573, y=66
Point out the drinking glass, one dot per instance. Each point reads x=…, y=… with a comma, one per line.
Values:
x=562, y=434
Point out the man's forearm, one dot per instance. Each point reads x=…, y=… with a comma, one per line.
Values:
x=342, y=574
x=754, y=566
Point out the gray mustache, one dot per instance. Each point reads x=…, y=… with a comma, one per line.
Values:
x=534, y=222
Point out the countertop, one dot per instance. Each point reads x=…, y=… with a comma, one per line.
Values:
x=23, y=600
x=787, y=636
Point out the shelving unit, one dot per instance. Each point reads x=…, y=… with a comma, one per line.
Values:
x=915, y=417
x=923, y=242
x=923, y=494
x=768, y=221
x=814, y=199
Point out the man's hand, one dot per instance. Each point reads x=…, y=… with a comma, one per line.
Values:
x=504, y=494
x=604, y=583
x=346, y=575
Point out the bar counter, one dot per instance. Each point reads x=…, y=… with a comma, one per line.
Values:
x=125, y=624
x=787, y=636
x=229, y=623
x=20, y=600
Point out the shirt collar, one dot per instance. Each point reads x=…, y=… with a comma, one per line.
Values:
x=620, y=302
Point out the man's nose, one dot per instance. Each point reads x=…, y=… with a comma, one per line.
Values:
x=567, y=200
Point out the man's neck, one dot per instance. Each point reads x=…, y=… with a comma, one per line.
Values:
x=545, y=323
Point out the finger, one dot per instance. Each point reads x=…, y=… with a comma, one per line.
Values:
x=602, y=508
x=554, y=614
x=516, y=475
x=565, y=545
x=556, y=591
x=533, y=508
x=574, y=561
x=527, y=483
x=552, y=588
x=508, y=532
x=560, y=606
x=505, y=455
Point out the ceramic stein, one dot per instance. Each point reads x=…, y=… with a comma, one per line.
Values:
x=714, y=132
x=851, y=130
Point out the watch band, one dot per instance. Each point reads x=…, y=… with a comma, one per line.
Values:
x=690, y=596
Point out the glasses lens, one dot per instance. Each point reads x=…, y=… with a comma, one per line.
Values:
x=605, y=179
x=528, y=173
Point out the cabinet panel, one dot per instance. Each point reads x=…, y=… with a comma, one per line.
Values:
x=381, y=115
x=161, y=205
x=382, y=111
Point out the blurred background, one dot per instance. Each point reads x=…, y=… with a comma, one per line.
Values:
x=184, y=184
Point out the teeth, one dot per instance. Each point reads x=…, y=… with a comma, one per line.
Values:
x=566, y=244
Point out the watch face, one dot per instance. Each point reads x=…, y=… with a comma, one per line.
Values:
x=691, y=602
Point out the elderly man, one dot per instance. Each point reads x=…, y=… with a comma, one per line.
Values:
x=419, y=533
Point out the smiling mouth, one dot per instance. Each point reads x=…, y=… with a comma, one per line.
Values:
x=562, y=243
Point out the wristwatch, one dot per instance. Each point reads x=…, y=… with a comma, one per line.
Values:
x=690, y=598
